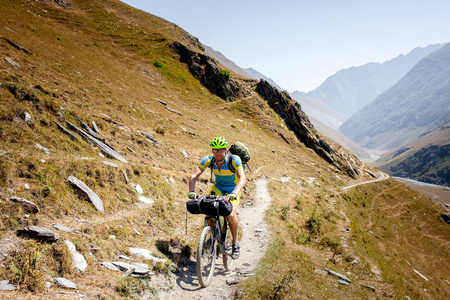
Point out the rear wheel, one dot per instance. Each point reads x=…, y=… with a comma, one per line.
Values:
x=226, y=252
x=206, y=256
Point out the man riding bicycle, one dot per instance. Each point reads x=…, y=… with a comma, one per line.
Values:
x=226, y=182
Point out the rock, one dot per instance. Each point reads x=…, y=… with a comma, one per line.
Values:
x=64, y=283
x=174, y=111
x=150, y=137
x=417, y=272
x=232, y=281
x=184, y=153
x=94, y=126
x=146, y=200
x=137, y=270
x=12, y=62
x=147, y=254
x=64, y=130
x=30, y=206
x=138, y=189
x=338, y=275
x=446, y=217
x=6, y=285
x=26, y=186
x=78, y=260
x=62, y=228
x=368, y=287
x=110, y=266
x=343, y=282
x=91, y=195
x=124, y=257
x=39, y=233
x=447, y=205
x=27, y=117
x=42, y=148
x=110, y=164
x=126, y=177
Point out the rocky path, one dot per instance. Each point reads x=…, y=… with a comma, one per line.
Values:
x=254, y=240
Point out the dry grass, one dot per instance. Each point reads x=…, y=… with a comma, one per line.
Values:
x=98, y=57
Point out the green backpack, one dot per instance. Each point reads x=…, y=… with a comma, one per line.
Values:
x=238, y=149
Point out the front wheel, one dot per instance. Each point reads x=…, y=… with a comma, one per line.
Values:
x=206, y=256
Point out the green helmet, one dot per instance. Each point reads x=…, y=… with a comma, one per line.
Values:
x=218, y=143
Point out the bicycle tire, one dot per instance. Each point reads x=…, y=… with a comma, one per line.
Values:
x=206, y=256
x=226, y=252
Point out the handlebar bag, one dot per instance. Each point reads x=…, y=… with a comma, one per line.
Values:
x=193, y=206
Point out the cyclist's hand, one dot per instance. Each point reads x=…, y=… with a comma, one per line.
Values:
x=192, y=195
x=231, y=197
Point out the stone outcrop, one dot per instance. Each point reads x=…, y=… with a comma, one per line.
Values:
x=297, y=121
x=207, y=71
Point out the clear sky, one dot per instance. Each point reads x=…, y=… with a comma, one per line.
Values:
x=299, y=43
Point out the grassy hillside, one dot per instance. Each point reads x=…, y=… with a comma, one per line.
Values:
x=426, y=159
x=104, y=62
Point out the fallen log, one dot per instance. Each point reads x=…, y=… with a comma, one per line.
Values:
x=91, y=195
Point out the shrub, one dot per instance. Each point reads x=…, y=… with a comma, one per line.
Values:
x=225, y=74
x=158, y=64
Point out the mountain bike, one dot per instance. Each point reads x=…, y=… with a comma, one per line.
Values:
x=214, y=242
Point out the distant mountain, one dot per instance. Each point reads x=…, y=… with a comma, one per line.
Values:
x=227, y=63
x=418, y=103
x=351, y=89
x=427, y=159
x=260, y=76
x=320, y=110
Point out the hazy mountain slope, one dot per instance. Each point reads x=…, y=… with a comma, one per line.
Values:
x=341, y=139
x=230, y=65
x=259, y=76
x=320, y=110
x=351, y=89
x=416, y=104
x=426, y=159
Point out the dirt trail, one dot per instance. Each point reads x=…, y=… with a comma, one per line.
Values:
x=254, y=239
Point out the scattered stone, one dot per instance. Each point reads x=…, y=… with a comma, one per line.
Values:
x=137, y=232
x=111, y=164
x=39, y=233
x=138, y=189
x=27, y=117
x=18, y=46
x=62, y=228
x=233, y=281
x=94, y=125
x=162, y=102
x=150, y=137
x=30, y=206
x=64, y=283
x=124, y=257
x=173, y=110
x=343, y=277
x=131, y=150
x=110, y=266
x=137, y=271
x=112, y=237
x=146, y=200
x=91, y=195
x=184, y=153
x=6, y=285
x=101, y=155
x=78, y=260
x=446, y=217
x=343, y=282
x=420, y=274
x=147, y=254
x=27, y=186
x=368, y=287
x=42, y=148
x=126, y=177
x=12, y=62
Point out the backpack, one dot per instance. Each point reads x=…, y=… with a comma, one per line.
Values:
x=238, y=149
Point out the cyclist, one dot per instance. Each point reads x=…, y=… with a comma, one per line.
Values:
x=225, y=182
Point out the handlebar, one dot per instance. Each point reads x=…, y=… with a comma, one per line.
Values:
x=211, y=197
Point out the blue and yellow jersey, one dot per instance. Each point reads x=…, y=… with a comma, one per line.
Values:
x=224, y=176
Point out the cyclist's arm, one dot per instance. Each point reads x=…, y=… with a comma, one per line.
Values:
x=241, y=182
x=193, y=179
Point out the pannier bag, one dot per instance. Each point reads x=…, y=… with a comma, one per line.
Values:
x=209, y=207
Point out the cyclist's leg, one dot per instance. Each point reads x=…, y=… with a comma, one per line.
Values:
x=233, y=220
